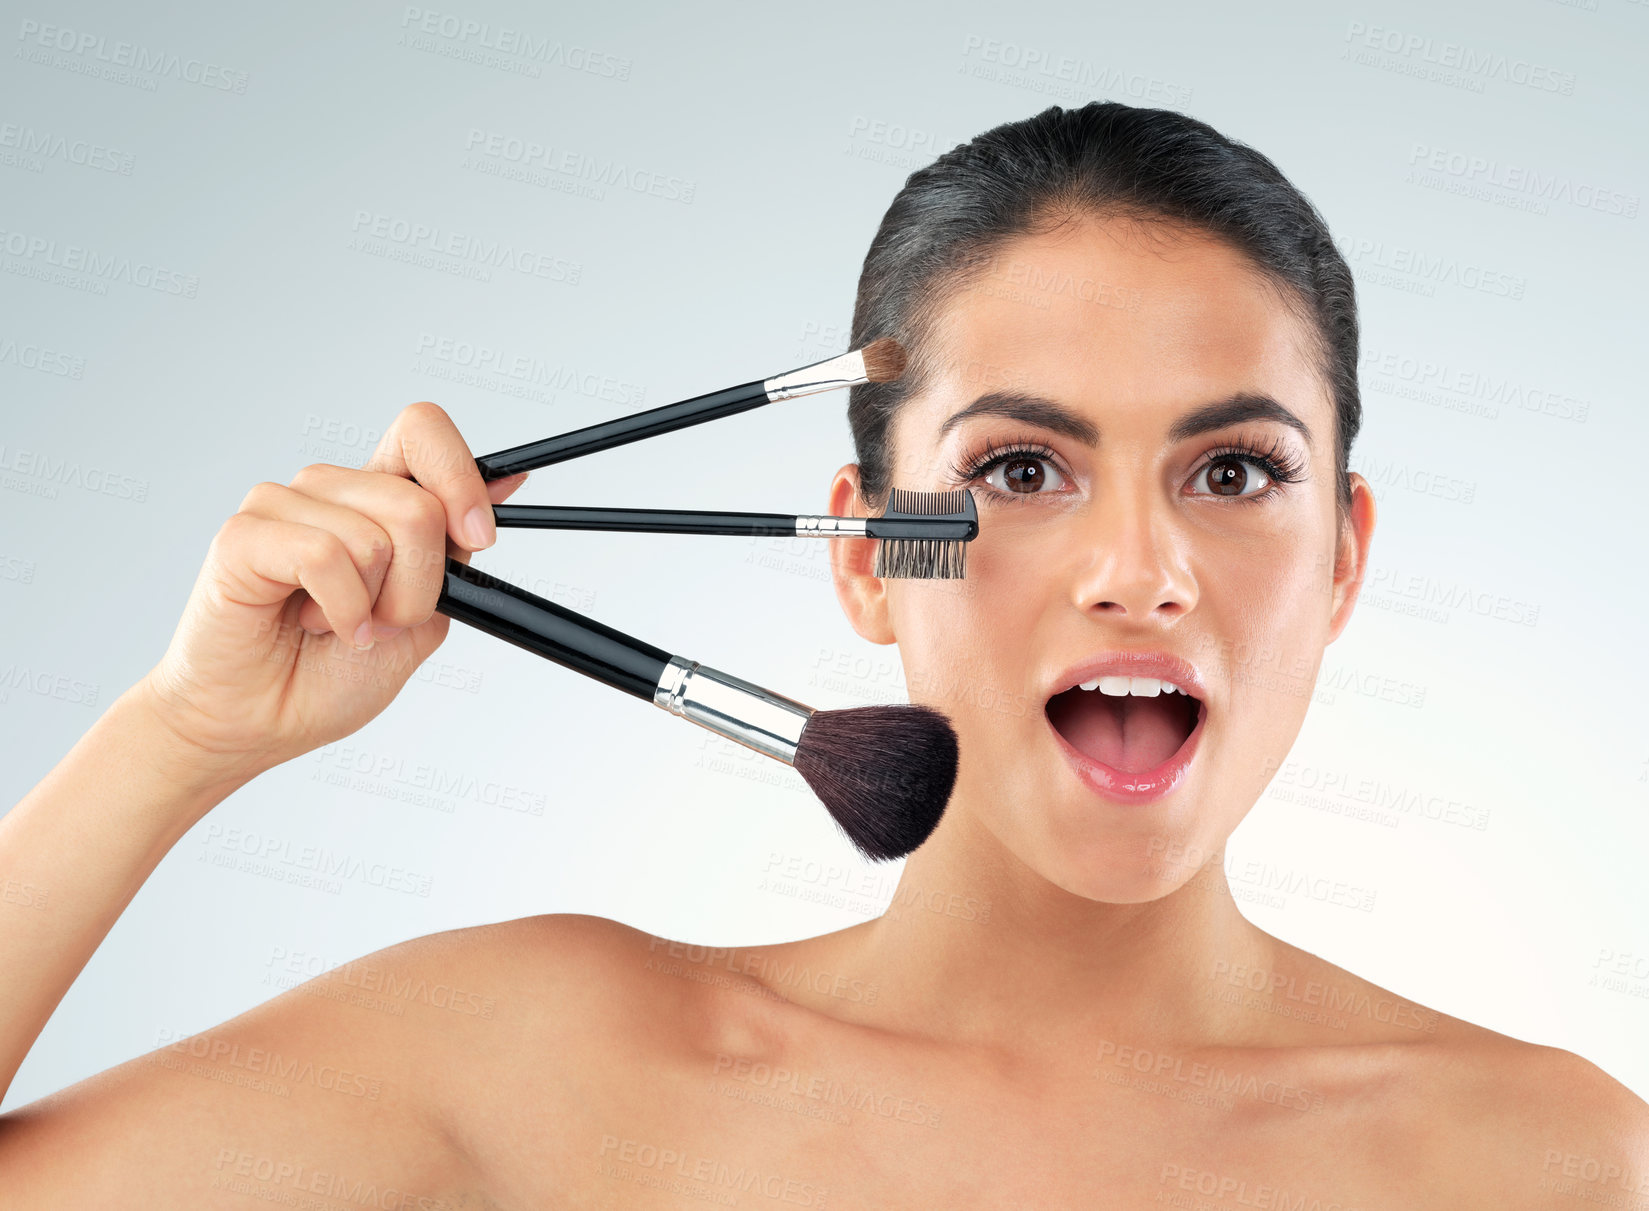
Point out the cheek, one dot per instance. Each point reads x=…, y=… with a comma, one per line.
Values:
x=966, y=649
x=1265, y=620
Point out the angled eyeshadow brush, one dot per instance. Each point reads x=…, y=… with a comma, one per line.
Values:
x=880, y=361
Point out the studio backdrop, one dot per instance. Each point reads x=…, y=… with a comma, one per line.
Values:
x=236, y=241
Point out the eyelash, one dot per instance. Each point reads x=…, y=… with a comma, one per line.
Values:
x=1279, y=464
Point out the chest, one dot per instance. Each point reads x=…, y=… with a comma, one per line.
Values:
x=839, y=1126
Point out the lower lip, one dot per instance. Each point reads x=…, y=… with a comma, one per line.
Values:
x=1146, y=786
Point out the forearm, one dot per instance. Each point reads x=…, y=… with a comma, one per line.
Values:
x=74, y=852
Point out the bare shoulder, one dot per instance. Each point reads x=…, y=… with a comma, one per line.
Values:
x=595, y=1028
x=1483, y=1117
x=355, y=1077
x=1542, y=1126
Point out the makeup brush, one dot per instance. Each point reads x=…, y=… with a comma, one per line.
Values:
x=880, y=361
x=884, y=773
x=923, y=535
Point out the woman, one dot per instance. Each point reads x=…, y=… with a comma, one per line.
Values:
x=1136, y=343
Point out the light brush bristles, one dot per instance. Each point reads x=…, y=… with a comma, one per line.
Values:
x=924, y=558
x=884, y=360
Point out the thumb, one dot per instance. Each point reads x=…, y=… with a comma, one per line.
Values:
x=500, y=490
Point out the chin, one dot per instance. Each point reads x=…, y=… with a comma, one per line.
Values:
x=1114, y=867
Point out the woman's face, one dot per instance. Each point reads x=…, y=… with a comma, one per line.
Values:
x=1103, y=391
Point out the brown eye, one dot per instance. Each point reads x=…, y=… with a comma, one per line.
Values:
x=1230, y=475
x=1024, y=475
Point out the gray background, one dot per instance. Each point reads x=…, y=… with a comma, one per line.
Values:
x=1493, y=673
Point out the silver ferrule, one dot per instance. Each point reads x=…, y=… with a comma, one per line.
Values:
x=747, y=714
x=811, y=525
x=848, y=370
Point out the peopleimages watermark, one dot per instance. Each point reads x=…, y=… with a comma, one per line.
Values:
x=358, y=768
x=283, y=1070
x=35, y=473
x=1342, y=792
x=694, y=961
x=1528, y=188
x=42, y=257
x=1181, y=1181
x=1334, y=1000
x=679, y=1170
x=278, y=858
x=1448, y=62
x=94, y=55
x=1039, y=70
x=37, y=146
x=831, y=1094
x=534, y=162
x=286, y=1182
x=42, y=359
x=47, y=684
x=1471, y=390
x=371, y=985
x=492, y=45
x=432, y=247
x=1417, y=271
x=485, y=362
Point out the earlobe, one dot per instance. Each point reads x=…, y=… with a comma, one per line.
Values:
x=1351, y=554
x=852, y=561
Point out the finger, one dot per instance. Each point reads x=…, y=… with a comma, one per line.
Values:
x=423, y=444
x=261, y=560
x=498, y=491
x=416, y=524
x=371, y=547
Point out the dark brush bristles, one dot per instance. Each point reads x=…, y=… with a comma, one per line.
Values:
x=884, y=360
x=884, y=773
x=923, y=558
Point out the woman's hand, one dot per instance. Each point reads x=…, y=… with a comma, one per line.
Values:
x=317, y=600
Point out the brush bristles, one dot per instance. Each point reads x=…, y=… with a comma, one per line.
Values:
x=884, y=360
x=914, y=503
x=884, y=773
x=921, y=559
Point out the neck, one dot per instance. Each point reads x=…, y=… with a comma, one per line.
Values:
x=978, y=948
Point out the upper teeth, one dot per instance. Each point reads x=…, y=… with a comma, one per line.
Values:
x=1139, y=687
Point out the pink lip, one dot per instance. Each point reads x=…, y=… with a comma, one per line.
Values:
x=1160, y=665
x=1145, y=786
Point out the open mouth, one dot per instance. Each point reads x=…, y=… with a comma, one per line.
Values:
x=1132, y=724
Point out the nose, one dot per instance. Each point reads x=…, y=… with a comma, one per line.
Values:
x=1133, y=566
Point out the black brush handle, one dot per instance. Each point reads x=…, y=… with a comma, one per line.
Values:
x=554, y=632
x=622, y=429
x=953, y=527
x=652, y=521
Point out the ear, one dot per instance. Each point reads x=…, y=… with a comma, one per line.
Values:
x=1351, y=554
x=863, y=596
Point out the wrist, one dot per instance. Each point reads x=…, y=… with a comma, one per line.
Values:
x=199, y=778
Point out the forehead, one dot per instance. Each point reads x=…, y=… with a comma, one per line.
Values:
x=1129, y=322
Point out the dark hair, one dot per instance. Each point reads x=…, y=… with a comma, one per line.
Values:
x=1109, y=159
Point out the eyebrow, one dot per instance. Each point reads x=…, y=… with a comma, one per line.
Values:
x=1057, y=418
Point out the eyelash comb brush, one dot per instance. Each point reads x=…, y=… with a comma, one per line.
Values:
x=880, y=361
x=923, y=534
x=883, y=772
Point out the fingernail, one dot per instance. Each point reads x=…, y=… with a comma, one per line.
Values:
x=363, y=636
x=479, y=527
x=387, y=632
